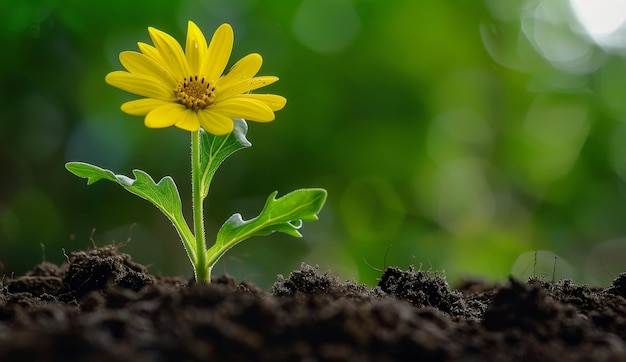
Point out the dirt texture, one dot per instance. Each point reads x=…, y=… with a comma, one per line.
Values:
x=101, y=306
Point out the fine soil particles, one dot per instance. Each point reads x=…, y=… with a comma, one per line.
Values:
x=101, y=306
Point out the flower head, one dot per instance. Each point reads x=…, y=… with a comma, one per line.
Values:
x=189, y=89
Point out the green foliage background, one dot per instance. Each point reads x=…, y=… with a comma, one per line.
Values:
x=452, y=135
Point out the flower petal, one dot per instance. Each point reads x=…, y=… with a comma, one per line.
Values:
x=166, y=115
x=247, y=67
x=141, y=107
x=218, y=53
x=243, y=86
x=151, y=52
x=155, y=71
x=171, y=52
x=275, y=102
x=140, y=84
x=189, y=122
x=139, y=63
x=215, y=123
x=247, y=108
x=196, y=48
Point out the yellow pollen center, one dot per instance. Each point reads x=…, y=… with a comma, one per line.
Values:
x=195, y=92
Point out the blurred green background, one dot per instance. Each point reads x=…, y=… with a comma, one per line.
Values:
x=458, y=136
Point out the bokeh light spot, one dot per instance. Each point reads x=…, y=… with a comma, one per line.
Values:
x=604, y=261
x=554, y=133
x=603, y=20
x=543, y=264
x=456, y=134
x=462, y=198
x=547, y=27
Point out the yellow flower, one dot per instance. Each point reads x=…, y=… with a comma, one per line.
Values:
x=188, y=89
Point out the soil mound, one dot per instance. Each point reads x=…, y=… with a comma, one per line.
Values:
x=101, y=306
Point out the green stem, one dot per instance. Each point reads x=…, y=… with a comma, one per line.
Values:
x=201, y=269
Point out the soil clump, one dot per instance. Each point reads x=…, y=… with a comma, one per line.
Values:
x=101, y=306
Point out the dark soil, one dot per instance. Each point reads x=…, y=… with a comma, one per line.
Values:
x=100, y=306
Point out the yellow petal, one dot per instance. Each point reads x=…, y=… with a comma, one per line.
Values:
x=243, y=86
x=247, y=67
x=140, y=84
x=139, y=63
x=151, y=52
x=166, y=115
x=275, y=102
x=189, y=122
x=215, y=123
x=250, y=109
x=196, y=48
x=141, y=107
x=218, y=53
x=171, y=52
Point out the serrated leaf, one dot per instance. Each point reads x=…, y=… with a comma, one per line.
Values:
x=164, y=194
x=284, y=214
x=215, y=149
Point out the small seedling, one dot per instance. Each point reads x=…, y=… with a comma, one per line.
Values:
x=189, y=90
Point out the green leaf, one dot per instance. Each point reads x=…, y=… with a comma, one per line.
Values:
x=164, y=194
x=284, y=214
x=215, y=149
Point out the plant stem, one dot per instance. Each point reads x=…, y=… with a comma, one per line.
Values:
x=201, y=269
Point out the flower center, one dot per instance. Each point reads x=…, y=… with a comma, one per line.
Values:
x=195, y=92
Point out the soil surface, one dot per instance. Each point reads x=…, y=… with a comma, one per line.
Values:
x=101, y=306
